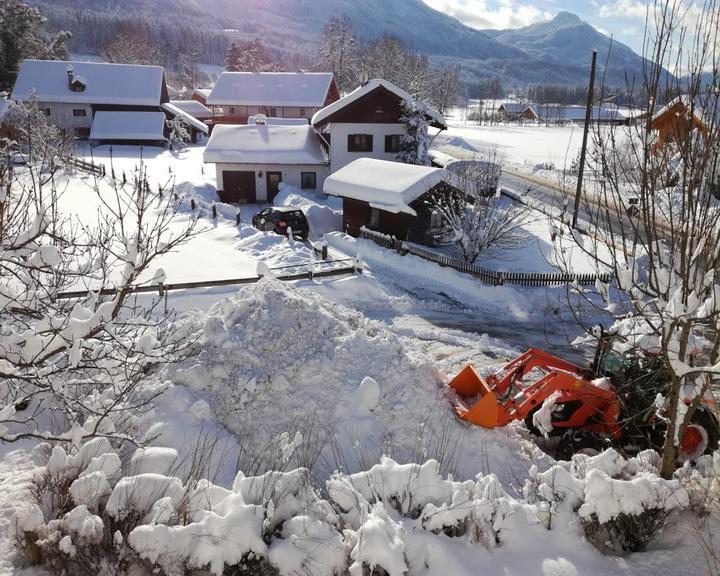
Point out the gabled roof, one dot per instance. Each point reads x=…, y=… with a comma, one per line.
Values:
x=298, y=89
x=263, y=144
x=323, y=116
x=705, y=107
x=104, y=83
x=385, y=185
x=514, y=107
x=128, y=126
x=194, y=108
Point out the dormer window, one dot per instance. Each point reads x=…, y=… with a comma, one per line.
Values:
x=77, y=85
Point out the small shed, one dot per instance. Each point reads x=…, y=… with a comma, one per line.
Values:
x=128, y=128
x=252, y=159
x=390, y=197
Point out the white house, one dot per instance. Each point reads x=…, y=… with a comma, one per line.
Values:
x=71, y=93
x=239, y=95
x=251, y=160
x=367, y=123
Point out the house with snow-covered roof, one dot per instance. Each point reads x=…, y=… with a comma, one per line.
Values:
x=252, y=160
x=239, y=95
x=515, y=111
x=367, y=123
x=72, y=93
x=683, y=114
x=390, y=197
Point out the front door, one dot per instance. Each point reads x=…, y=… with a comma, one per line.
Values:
x=273, y=185
x=239, y=186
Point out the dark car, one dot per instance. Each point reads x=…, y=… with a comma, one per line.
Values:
x=279, y=218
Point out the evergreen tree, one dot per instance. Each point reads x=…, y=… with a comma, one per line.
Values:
x=22, y=35
x=415, y=143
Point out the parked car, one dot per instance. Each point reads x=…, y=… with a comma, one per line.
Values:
x=279, y=218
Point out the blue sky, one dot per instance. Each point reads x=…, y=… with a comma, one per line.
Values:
x=624, y=19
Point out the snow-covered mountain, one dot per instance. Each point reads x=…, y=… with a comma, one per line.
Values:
x=557, y=51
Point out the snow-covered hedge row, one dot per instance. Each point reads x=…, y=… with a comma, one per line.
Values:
x=94, y=514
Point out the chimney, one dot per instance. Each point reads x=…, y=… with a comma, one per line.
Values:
x=70, y=75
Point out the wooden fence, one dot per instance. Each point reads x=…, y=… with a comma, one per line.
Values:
x=98, y=169
x=349, y=266
x=485, y=275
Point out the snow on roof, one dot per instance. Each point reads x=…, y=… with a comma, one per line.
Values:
x=321, y=116
x=128, y=126
x=706, y=107
x=104, y=83
x=514, y=107
x=577, y=113
x=304, y=89
x=385, y=185
x=187, y=118
x=272, y=121
x=262, y=144
x=194, y=108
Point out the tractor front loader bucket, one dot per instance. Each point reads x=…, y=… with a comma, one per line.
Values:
x=473, y=400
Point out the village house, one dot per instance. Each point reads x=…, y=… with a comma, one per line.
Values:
x=516, y=111
x=390, y=197
x=571, y=114
x=367, y=123
x=684, y=114
x=253, y=159
x=239, y=95
x=104, y=102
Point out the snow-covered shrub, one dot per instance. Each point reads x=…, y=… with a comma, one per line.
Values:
x=93, y=515
x=622, y=504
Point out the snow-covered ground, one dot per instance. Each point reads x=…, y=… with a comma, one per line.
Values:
x=360, y=360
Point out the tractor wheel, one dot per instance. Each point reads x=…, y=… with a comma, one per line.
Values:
x=701, y=436
x=580, y=442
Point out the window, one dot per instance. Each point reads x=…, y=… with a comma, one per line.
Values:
x=46, y=111
x=374, y=221
x=360, y=142
x=273, y=112
x=232, y=110
x=308, y=180
x=392, y=143
x=302, y=112
x=79, y=112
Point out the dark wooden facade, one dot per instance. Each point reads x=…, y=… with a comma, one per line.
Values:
x=418, y=229
x=380, y=106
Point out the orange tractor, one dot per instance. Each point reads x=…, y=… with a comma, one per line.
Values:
x=611, y=403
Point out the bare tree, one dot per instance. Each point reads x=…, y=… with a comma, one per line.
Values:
x=133, y=44
x=654, y=220
x=339, y=53
x=71, y=365
x=475, y=218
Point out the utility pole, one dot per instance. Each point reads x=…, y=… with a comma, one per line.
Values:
x=583, y=149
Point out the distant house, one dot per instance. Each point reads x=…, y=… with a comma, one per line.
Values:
x=251, y=160
x=239, y=95
x=367, y=123
x=201, y=95
x=72, y=93
x=389, y=197
x=567, y=114
x=683, y=114
x=516, y=111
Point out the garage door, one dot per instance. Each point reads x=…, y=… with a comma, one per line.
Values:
x=239, y=186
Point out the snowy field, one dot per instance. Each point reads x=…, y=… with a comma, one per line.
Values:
x=362, y=361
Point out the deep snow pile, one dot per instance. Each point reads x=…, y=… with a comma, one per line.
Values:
x=275, y=358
